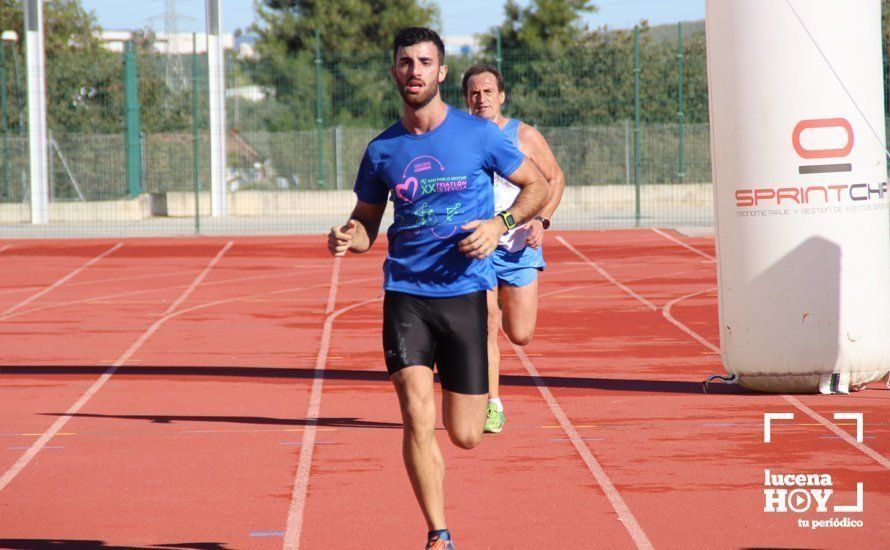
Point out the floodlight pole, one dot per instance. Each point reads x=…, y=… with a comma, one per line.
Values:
x=637, y=126
x=37, y=112
x=217, y=93
x=3, y=149
x=681, y=171
x=12, y=38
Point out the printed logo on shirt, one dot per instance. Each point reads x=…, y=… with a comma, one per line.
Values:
x=412, y=182
x=427, y=184
x=424, y=177
x=407, y=189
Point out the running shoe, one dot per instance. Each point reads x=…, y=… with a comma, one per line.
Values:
x=440, y=542
x=494, y=421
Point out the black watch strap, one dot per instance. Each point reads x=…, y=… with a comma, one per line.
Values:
x=544, y=221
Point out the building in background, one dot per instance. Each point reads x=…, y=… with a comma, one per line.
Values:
x=178, y=43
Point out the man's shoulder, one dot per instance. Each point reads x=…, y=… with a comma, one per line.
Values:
x=461, y=117
x=385, y=139
x=530, y=138
x=395, y=130
x=527, y=130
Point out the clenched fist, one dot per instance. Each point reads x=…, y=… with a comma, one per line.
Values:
x=340, y=238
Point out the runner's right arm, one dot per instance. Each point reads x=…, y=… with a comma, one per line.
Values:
x=359, y=232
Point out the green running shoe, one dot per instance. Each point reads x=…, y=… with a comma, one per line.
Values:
x=494, y=420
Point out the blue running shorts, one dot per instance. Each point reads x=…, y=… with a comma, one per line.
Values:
x=518, y=268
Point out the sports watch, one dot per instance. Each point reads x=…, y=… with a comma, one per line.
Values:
x=508, y=219
x=544, y=221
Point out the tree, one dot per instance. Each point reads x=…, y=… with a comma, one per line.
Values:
x=552, y=62
x=560, y=73
x=356, y=38
x=83, y=80
x=166, y=107
x=542, y=25
x=345, y=25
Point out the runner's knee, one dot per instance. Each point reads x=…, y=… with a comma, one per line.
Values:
x=465, y=437
x=519, y=335
x=419, y=414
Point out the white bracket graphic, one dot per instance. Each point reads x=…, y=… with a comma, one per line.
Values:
x=768, y=418
x=852, y=416
x=858, y=507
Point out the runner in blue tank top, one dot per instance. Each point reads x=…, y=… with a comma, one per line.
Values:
x=519, y=256
x=435, y=165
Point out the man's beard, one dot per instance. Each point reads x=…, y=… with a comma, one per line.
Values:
x=418, y=101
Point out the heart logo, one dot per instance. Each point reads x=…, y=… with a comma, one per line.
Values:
x=403, y=189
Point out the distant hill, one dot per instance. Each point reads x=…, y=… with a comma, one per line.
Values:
x=668, y=32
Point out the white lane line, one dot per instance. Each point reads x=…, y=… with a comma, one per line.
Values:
x=670, y=237
x=868, y=451
x=5, y=247
x=301, y=479
x=566, y=289
x=594, y=285
x=882, y=460
x=197, y=281
x=263, y=294
x=58, y=283
x=176, y=303
x=99, y=282
x=605, y=274
x=666, y=313
x=41, y=442
x=624, y=514
x=151, y=291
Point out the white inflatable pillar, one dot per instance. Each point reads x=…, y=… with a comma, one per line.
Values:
x=37, y=143
x=800, y=180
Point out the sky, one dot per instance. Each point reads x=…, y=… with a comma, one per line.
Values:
x=459, y=17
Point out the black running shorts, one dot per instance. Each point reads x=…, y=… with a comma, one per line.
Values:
x=450, y=333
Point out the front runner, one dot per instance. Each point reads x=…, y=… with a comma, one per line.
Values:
x=436, y=165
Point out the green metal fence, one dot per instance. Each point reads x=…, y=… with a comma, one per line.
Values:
x=627, y=120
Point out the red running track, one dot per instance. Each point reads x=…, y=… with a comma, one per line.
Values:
x=215, y=393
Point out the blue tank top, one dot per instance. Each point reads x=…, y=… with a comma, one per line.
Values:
x=437, y=181
x=512, y=131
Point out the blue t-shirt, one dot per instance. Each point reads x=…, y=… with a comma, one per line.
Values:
x=437, y=182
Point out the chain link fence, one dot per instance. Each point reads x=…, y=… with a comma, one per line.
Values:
x=297, y=128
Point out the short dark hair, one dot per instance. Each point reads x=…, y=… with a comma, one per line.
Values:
x=409, y=36
x=480, y=69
